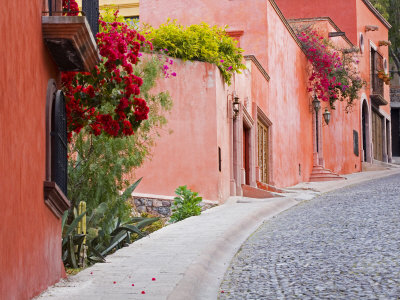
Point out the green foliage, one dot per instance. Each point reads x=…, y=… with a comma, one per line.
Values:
x=109, y=14
x=186, y=204
x=109, y=232
x=198, y=42
x=97, y=165
x=98, y=168
x=106, y=232
x=71, y=240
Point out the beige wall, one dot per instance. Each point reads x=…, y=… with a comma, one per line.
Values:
x=127, y=8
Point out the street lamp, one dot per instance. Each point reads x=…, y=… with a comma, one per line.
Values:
x=327, y=116
x=235, y=105
x=316, y=104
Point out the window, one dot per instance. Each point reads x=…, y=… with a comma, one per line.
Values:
x=55, y=185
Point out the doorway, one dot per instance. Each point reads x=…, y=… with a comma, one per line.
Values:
x=365, y=131
x=377, y=135
x=246, y=153
x=263, y=151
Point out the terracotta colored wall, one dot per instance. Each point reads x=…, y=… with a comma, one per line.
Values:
x=366, y=17
x=239, y=15
x=342, y=12
x=284, y=99
x=189, y=155
x=288, y=105
x=263, y=39
x=30, y=249
x=337, y=137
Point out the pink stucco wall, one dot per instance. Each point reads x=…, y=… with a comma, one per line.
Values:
x=249, y=16
x=189, y=154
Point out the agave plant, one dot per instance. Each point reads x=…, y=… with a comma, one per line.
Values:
x=71, y=240
x=106, y=231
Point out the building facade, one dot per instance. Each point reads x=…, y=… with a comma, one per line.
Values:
x=368, y=30
x=276, y=139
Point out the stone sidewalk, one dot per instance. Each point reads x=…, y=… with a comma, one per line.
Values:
x=188, y=259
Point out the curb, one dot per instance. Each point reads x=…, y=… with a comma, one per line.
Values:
x=202, y=279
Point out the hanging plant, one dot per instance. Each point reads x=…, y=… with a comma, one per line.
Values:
x=334, y=74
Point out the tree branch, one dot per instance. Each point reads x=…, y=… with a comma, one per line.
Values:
x=396, y=59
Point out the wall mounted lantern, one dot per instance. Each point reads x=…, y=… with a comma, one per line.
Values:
x=316, y=104
x=327, y=116
x=235, y=105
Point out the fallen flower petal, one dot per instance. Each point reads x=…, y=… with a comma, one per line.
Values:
x=153, y=279
x=143, y=292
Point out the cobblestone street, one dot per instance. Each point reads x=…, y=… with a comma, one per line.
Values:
x=340, y=245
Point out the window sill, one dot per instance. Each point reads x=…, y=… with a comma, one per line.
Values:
x=55, y=198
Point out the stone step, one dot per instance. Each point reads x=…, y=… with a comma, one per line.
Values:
x=315, y=179
x=268, y=187
x=253, y=192
x=319, y=173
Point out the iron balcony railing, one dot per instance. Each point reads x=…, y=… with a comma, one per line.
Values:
x=377, y=69
x=90, y=9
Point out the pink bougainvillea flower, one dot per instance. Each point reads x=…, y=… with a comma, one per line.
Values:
x=173, y=74
x=229, y=68
x=222, y=60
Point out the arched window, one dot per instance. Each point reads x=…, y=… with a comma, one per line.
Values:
x=59, y=149
x=55, y=185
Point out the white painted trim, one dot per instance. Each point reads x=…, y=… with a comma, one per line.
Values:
x=384, y=114
x=372, y=45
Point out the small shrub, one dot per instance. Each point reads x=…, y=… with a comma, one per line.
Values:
x=186, y=204
x=200, y=42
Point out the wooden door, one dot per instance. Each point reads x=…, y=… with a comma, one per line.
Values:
x=263, y=153
x=377, y=136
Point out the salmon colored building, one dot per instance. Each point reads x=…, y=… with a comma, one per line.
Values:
x=276, y=138
x=35, y=46
x=367, y=29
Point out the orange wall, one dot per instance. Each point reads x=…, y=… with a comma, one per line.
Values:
x=288, y=105
x=342, y=12
x=30, y=249
x=366, y=17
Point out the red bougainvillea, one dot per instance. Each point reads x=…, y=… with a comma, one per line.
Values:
x=70, y=7
x=107, y=99
x=334, y=74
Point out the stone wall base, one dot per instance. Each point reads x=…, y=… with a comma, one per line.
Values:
x=159, y=207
